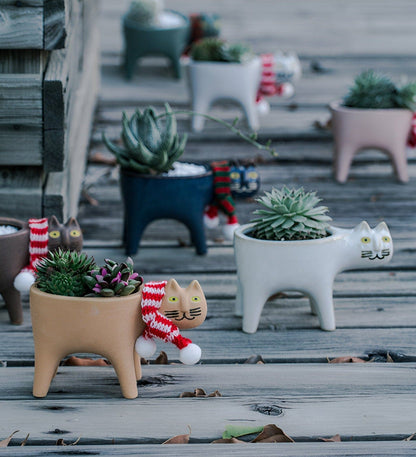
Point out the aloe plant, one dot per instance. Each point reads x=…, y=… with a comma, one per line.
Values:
x=290, y=214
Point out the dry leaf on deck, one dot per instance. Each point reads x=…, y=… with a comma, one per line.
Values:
x=254, y=359
x=5, y=442
x=61, y=442
x=347, y=359
x=228, y=441
x=334, y=439
x=272, y=434
x=389, y=358
x=198, y=392
x=409, y=438
x=23, y=443
x=179, y=439
x=162, y=359
x=99, y=157
x=84, y=362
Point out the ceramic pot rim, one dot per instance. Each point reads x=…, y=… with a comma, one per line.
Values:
x=64, y=298
x=135, y=174
x=21, y=225
x=246, y=64
x=131, y=24
x=241, y=233
x=337, y=106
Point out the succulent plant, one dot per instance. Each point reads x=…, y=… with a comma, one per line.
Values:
x=62, y=273
x=290, y=214
x=373, y=90
x=145, y=12
x=150, y=145
x=217, y=50
x=113, y=279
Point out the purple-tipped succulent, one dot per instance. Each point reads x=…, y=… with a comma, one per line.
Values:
x=113, y=279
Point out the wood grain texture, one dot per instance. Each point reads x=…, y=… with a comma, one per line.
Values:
x=54, y=24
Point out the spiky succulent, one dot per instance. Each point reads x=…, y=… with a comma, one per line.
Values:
x=113, y=279
x=217, y=50
x=144, y=12
x=150, y=144
x=373, y=90
x=62, y=273
x=290, y=214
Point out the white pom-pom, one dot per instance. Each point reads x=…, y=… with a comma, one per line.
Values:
x=228, y=231
x=263, y=107
x=145, y=347
x=211, y=222
x=190, y=354
x=23, y=281
x=287, y=90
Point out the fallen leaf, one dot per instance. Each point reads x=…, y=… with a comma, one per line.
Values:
x=389, y=358
x=61, y=442
x=216, y=393
x=228, y=440
x=89, y=198
x=23, y=443
x=84, y=362
x=144, y=361
x=162, y=359
x=409, y=438
x=179, y=439
x=198, y=392
x=6, y=441
x=272, y=434
x=233, y=431
x=347, y=359
x=99, y=157
x=254, y=359
x=334, y=439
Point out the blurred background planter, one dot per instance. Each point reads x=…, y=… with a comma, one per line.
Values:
x=168, y=38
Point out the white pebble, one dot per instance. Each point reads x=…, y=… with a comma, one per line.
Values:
x=186, y=169
x=7, y=229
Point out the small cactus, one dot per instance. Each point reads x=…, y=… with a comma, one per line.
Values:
x=62, y=273
x=290, y=214
x=113, y=279
x=217, y=50
x=145, y=12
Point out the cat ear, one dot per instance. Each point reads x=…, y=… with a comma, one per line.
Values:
x=172, y=284
x=195, y=285
x=362, y=227
x=53, y=222
x=382, y=227
x=72, y=222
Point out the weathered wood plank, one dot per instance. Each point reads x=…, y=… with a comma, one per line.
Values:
x=363, y=449
x=21, y=24
x=54, y=24
x=20, y=145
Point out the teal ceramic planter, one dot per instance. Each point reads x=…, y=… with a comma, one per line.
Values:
x=169, y=41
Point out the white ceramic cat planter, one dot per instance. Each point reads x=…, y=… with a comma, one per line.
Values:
x=212, y=81
x=309, y=266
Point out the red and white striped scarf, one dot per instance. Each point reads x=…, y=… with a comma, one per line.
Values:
x=38, y=242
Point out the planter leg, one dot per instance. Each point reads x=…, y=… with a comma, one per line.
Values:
x=176, y=65
x=197, y=231
x=313, y=305
x=324, y=304
x=238, y=310
x=133, y=232
x=253, y=302
x=14, y=305
x=123, y=364
x=343, y=160
x=201, y=105
x=252, y=115
x=399, y=160
x=46, y=364
x=137, y=366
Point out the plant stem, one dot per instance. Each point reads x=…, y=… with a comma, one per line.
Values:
x=249, y=138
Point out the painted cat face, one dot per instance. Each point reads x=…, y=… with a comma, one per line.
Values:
x=375, y=244
x=286, y=67
x=245, y=180
x=186, y=308
x=65, y=236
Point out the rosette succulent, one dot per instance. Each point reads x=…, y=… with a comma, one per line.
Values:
x=62, y=273
x=113, y=279
x=145, y=12
x=217, y=50
x=290, y=214
x=151, y=145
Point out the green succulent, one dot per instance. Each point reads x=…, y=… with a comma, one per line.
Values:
x=150, y=144
x=373, y=90
x=144, y=12
x=217, y=50
x=113, y=279
x=290, y=214
x=62, y=273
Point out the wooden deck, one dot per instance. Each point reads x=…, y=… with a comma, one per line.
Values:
x=371, y=405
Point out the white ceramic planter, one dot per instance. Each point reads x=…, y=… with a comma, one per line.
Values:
x=212, y=81
x=265, y=268
x=357, y=128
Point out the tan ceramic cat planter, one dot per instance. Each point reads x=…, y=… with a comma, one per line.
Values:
x=105, y=326
x=266, y=267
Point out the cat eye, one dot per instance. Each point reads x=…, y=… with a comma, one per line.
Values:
x=365, y=239
x=234, y=175
x=386, y=239
x=55, y=234
x=75, y=233
x=173, y=299
x=195, y=299
x=253, y=175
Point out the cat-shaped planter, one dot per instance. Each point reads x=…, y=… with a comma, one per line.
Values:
x=105, y=326
x=265, y=267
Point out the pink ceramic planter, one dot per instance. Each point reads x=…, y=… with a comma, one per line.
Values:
x=357, y=128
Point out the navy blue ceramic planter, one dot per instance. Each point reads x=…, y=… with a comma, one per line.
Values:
x=140, y=41
x=147, y=198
